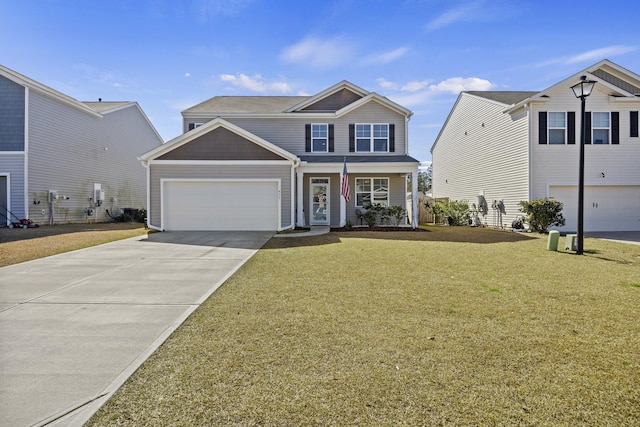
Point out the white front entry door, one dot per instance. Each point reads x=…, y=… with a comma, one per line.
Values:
x=319, y=203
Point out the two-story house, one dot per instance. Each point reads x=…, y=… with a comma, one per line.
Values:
x=498, y=148
x=276, y=162
x=62, y=160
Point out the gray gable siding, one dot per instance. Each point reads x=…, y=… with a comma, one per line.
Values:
x=159, y=171
x=70, y=150
x=288, y=133
x=334, y=102
x=11, y=115
x=13, y=165
x=220, y=144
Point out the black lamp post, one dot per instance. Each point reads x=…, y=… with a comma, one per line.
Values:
x=582, y=90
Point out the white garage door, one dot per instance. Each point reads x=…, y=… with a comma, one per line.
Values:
x=220, y=205
x=606, y=208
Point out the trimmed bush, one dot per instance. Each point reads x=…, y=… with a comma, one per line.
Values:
x=542, y=213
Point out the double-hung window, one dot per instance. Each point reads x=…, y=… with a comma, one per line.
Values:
x=601, y=125
x=557, y=128
x=372, y=137
x=319, y=137
x=372, y=190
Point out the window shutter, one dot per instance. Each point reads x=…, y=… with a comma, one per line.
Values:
x=571, y=127
x=633, y=118
x=615, y=127
x=352, y=138
x=331, y=139
x=307, y=138
x=587, y=127
x=192, y=126
x=542, y=127
x=392, y=138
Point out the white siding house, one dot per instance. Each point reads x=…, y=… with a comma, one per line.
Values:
x=55, y=152
x=513, y=146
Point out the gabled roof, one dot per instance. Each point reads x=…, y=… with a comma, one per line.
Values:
x=45, y=90
x=503, y=97
x=287, y=105
x=612, y=78
x=107, y=107
x=328, y=92
x=208, y=127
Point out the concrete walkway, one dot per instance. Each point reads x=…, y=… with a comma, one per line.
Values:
x=75, y=326
x=313, y=231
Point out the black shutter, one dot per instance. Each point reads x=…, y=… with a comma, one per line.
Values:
x=331, y=139
x=307, y=138
x=633, y=118
x=587, y=127
x=192, y=126
x=615, y=127
x=392, y=138
x=352, y=138
x=571, y=127
x=542, y=127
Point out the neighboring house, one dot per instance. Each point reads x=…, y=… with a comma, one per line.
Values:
x=503, y=147
x=274, y=162
x=62, y=160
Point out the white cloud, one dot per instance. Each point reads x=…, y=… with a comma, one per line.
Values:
x=385, y=84
x=598, y=54
x=465, y=12
x=414, y=86
x=319, y=53
x=456, y=85
x=187, y=74
x=255, y=83
x=386, y=57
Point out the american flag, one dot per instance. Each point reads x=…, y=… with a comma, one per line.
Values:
x=345, y=183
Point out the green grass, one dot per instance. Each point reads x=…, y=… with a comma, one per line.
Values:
x=404, y=328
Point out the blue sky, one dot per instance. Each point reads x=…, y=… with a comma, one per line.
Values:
x=171, y=54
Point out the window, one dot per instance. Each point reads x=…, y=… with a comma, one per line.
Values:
x=557, y=126
x=372, y=190
x=600, y=125
x=319, y=137
x=372, y=137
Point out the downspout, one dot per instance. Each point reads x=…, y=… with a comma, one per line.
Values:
x=146, y=165
x=529, y=152
x=26, y=155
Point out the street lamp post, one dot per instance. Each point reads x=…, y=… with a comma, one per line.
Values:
x=582, y=90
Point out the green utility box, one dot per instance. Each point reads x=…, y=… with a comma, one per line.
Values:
x=552, y=243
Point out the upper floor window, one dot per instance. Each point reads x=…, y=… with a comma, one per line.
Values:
x=372, y=137
x=557, y=127
x=600, y=125
x=319, y=137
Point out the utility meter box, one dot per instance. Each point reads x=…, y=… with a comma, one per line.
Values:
x=571, y=242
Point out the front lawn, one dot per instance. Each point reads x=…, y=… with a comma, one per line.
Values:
x=452, y=326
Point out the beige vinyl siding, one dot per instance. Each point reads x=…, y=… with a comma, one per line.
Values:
x=13, y=165
x=160, y=171
x=490, y=159
x=559, y=164
x=70, y=150
x=288, y=132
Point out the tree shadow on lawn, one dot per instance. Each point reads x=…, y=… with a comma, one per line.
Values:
x=426, y=234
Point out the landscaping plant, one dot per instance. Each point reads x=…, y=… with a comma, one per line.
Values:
x=542, y=213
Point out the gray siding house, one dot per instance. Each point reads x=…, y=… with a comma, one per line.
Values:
x=276, y=162
x=504, y=147
x=62, y=160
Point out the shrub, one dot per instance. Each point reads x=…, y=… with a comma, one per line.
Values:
x=396, y=214
x=542, y=213
x=458, y=212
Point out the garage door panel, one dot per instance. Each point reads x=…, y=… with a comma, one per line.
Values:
x=606, y=208
x=221, y=205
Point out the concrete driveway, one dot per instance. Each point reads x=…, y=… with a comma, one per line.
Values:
x=75, y=326
x=632, y=237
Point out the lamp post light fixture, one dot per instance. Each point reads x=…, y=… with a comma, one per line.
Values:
x=582, y=90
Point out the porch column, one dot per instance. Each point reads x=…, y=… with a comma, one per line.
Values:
x=343, y=202
x=414, y=199
x=300, y=199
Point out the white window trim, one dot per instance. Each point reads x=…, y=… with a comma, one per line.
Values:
x=594, y=128
x=371, y=137
x=371, y=192
x=326, y=139
x=550, y=128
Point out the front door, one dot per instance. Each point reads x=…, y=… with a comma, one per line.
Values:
x=319, y=191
